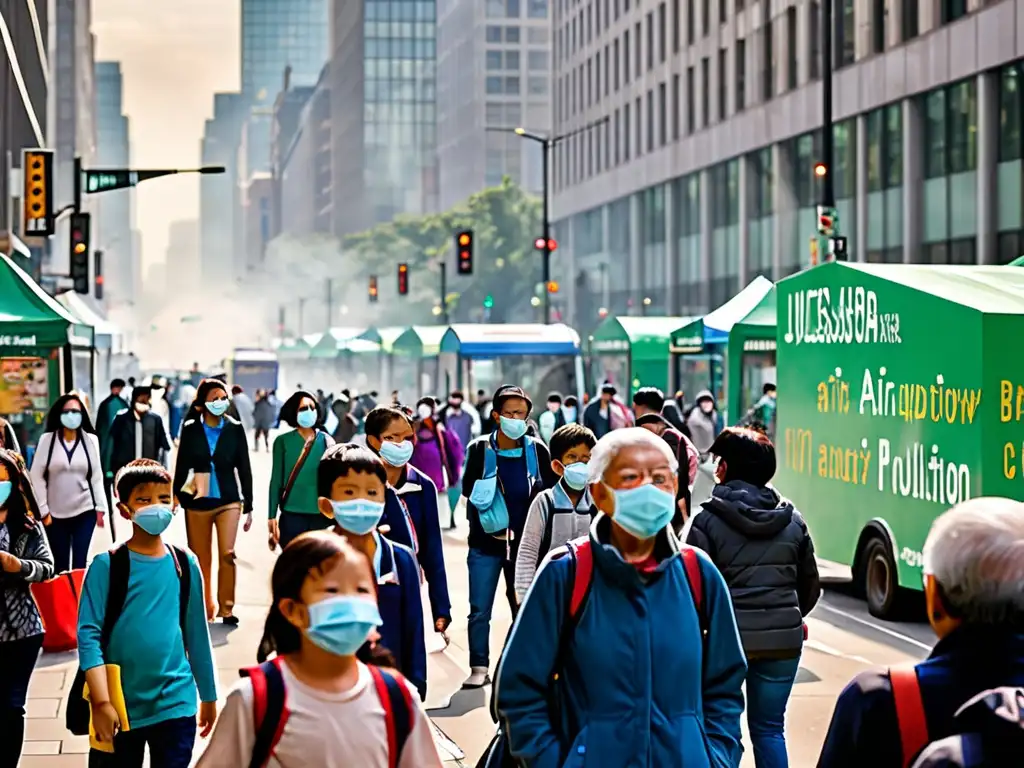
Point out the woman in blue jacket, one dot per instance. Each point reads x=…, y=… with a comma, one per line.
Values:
x=638, y=686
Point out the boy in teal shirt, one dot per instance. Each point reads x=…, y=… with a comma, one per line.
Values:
x=164, y=652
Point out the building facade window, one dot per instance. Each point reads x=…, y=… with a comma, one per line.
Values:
x=1011, y=108
x=878, y=15
x=723, y=83
x=844, y=146
x=814, y=40
x=705, y=91
x=791, y=46
x=662, y=115
x=691, y=118
x=845, y=36
x=741, y=74
x=676, y=105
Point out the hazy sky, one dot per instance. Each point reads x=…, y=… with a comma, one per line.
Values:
x=174, y=56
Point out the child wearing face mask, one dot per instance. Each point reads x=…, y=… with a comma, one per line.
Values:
x=132, y=616
x=561, y=513
x=351, y=483
x=340, y=712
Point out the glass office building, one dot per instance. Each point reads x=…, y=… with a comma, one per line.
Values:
x=383, y=84
x=701, y=175
x=278, y=34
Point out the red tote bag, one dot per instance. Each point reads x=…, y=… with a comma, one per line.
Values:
x=57, y=600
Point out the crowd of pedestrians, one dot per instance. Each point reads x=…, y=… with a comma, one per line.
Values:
x=647, y=623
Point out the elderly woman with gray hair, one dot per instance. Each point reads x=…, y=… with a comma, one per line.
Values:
x=974, y=592
x=625, y=650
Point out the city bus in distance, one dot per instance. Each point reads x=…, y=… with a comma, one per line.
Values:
x=252, y=369
x=900, y=396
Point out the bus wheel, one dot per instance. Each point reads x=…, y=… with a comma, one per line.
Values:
x=881, y=582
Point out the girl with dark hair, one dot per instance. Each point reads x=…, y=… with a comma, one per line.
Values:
x=323, y=611
x=24, y=558
x=69, y=482
x=213, y=482
x=293, y=476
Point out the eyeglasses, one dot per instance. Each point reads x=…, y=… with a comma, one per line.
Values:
x=514, y=414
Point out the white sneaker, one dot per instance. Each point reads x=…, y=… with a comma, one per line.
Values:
x=478, y=678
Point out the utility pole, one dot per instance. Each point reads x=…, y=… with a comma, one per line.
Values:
x=302, y=310
x=330, y=302
x=827, y=242
x=444, y=292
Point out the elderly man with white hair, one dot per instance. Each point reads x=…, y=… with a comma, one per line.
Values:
x=635, y=635
x=974, y=591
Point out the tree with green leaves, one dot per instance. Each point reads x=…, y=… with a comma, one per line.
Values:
x=505, y=221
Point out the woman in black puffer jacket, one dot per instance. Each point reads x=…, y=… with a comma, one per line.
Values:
x=761, y=545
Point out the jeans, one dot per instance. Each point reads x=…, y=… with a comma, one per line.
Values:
x=69, y=540
x=484, y=571
x=170, y=746
x=769, y=684
x=19, y=659
x=292, y=524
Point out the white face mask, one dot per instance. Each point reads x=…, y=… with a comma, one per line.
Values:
x=707, y=407
x=142, y=407
x=424, y=411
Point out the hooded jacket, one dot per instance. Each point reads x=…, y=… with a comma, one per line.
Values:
x=638, y=689
x=761, y=545
x=703, y=426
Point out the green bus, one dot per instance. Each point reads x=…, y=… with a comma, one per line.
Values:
x=901, y=393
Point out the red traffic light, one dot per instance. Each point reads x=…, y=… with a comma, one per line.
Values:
x=549, y=245
x=403, y=279
x=539, y=243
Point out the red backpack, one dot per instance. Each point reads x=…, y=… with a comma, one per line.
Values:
x=270, y=709
x=906, y=694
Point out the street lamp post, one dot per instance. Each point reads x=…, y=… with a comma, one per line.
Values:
x=547, y=143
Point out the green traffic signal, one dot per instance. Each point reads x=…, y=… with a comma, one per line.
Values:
x=488, y=301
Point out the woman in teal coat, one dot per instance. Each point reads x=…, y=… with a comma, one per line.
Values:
x=638, y=685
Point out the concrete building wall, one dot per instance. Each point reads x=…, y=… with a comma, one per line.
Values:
x=218, y=194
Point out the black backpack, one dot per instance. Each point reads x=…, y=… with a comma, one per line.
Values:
x=78, y=714
x=990, y=727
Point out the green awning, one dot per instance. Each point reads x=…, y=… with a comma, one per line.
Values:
x=388, y=336
x=420, y=341
x=754, y=333
x=328, y=345
x=644, y=338
x=715, y=326
x=292, y=349
x=1018, y=262
x=31, y=318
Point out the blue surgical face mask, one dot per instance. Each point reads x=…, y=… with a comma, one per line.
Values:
x=71, y=419
x=576, y=475
x=396, y=454
x=306, y=419
x=5, y=491
x=570, y=413
x=358, y=516
x=513, y=428
x=643, y=511
x=218, y=407
x=154, y=519
x=341, y=624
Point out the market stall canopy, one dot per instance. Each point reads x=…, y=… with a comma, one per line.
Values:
x=29, y=317
x=754, y=333
x=715, y=326
x=387, y=337
x=358, y=347
x=293, y=349
x=1018, y=262
x=329, y=344
x=420, y=341
x=104, y=329
x=644, y=338
x=499, y=340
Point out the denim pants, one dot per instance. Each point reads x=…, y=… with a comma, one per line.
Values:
x=70, y=538
x=19, y=659
x=485, y=570
x=170, y=746
x=769, y=684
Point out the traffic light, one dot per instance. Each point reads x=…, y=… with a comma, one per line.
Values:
x=373, y=288
x=552, y=287
x=37, y=198
x=820, y=170
x=464, y=247
x=403, y=279
x=97, y=270
x=550, y=245
x=80, y=224
x=827, y=221
x=488, y=301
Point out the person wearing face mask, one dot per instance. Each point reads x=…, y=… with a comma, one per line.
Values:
x=410, y=504
x=340, y=711
x=460, y=418
x=570, y=409
x=761, y=545
x=651, y=675
x=438, y=453
x=702, y=421
x=213, y=480
x=293, y=474
x=25, y=558
x=158, y=635
x=352, y=483
x=136, y=433
x=552, y=418
x=561, y=513
x=67, y=475
x=347, y=424
x=505, y=470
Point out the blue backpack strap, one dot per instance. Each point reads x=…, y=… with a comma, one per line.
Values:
x=490, y=460
x=269, y=708
x=396, y=699
x=530, y=449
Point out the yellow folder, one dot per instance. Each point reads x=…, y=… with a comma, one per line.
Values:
x=117, y=699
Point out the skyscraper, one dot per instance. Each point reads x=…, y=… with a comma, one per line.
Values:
x=384, y=133
x=278, y=34
x=493, y=72
x=219, y=194
x=116, y=216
